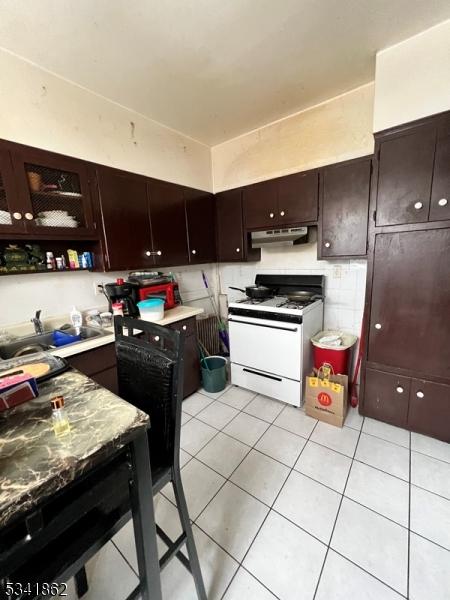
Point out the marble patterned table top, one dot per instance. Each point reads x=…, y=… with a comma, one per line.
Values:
x=34, y=463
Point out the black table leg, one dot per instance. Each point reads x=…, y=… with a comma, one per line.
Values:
x=141, y=496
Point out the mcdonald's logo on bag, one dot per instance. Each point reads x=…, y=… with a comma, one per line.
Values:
x=324, y=399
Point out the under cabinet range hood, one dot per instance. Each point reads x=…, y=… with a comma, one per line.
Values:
x=280, y=237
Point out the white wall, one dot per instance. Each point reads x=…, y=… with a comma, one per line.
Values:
x=413, y=78
x=56, y=293
x=336, y=130
x=40, y=109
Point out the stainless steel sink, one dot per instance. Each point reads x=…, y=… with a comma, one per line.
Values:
x=44, y=341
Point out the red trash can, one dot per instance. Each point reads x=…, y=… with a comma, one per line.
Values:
x=334, y=348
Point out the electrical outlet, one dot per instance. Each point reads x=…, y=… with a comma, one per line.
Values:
x=337, y=272
x=97, y=288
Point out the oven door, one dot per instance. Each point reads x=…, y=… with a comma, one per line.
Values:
x=270, y=346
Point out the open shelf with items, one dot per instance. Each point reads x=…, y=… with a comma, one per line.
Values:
x=25, y=257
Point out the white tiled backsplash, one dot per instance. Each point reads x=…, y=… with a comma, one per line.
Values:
x=56, y=293
x=345, y=281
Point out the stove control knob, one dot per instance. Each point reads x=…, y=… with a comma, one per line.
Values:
x=194, y=251
x=399, y=389
x=282, y=213
x=327, y=245
x=238, y=249
x=418, y=205
x=420, y=394
x=377, y=325
x=17, y=216
x=443, y=202
x=271, y=215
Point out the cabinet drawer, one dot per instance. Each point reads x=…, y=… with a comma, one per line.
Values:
x=386, y=397
x=94, y=361
x=429, y=409
x=188, y=326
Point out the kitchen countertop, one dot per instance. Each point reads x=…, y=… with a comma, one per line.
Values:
x=34, y=463
x=170, y=316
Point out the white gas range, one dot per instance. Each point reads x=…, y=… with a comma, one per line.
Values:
x=270, y=348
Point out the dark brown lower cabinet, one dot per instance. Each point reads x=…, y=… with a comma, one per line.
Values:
x=99, y=364
x=429, y=409
x=387, y=397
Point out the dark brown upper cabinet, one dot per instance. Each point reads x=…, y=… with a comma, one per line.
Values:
x=413, y=173
x=233, y=244
x=298, y=198
x=168, y=223
x=53, y=194
x=409, y=326
x=200, y=216
x=125, y=218
x=344, y=209
x=282, y=202
x=260, y=204
x=11, y=211
x=440, y=193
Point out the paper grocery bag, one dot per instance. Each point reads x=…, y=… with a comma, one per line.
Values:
x=326, y=398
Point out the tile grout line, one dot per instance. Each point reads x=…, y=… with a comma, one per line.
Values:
x=337, y=516
x=268, y=512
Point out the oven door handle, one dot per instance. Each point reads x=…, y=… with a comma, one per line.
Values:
x=262, y=374
x=263, y=325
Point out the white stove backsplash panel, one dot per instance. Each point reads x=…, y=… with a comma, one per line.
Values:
x=345, y=281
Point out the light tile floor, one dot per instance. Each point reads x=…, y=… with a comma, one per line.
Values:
x=290, y=508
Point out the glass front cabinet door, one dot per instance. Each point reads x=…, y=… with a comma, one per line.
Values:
x=54, y=193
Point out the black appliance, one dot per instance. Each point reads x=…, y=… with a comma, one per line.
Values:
x=124, y=292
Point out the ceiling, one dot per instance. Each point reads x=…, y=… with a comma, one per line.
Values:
x=213, y=69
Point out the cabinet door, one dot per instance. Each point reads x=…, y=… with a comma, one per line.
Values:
x=11, y=214
x=126, y=222
x=168, y=223
x=409, y=321
x=440, y=194
x=54, y=193
x=345, y=192
x=230, y=232
x=429, y=409
x=298, y=198
x=200, y=214
x=405, y=170
x=386, y=397
x=261, y=205
x=191, y=375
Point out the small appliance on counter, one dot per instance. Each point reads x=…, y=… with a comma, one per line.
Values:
x=152, y=284
x=124, y=293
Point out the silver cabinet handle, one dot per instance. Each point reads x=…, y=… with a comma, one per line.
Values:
x=327, y=244
x=156, y=338
x=184, y=327
x=148, y=253
x=17, y=216
x=282, y=213
x=377, y=325
x=271, y=215
x=238, y=249
x=158, y=253
x=420, y=394
x=29, y=216
x=194, y=251
x=443, y=202
x=418, y=205
x=399, y=389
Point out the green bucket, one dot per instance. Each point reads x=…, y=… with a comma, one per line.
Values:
x=214, y=373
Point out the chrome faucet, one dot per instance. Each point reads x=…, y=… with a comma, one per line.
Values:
x=36, y=320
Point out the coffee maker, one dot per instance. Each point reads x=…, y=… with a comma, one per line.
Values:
x=125, y=293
